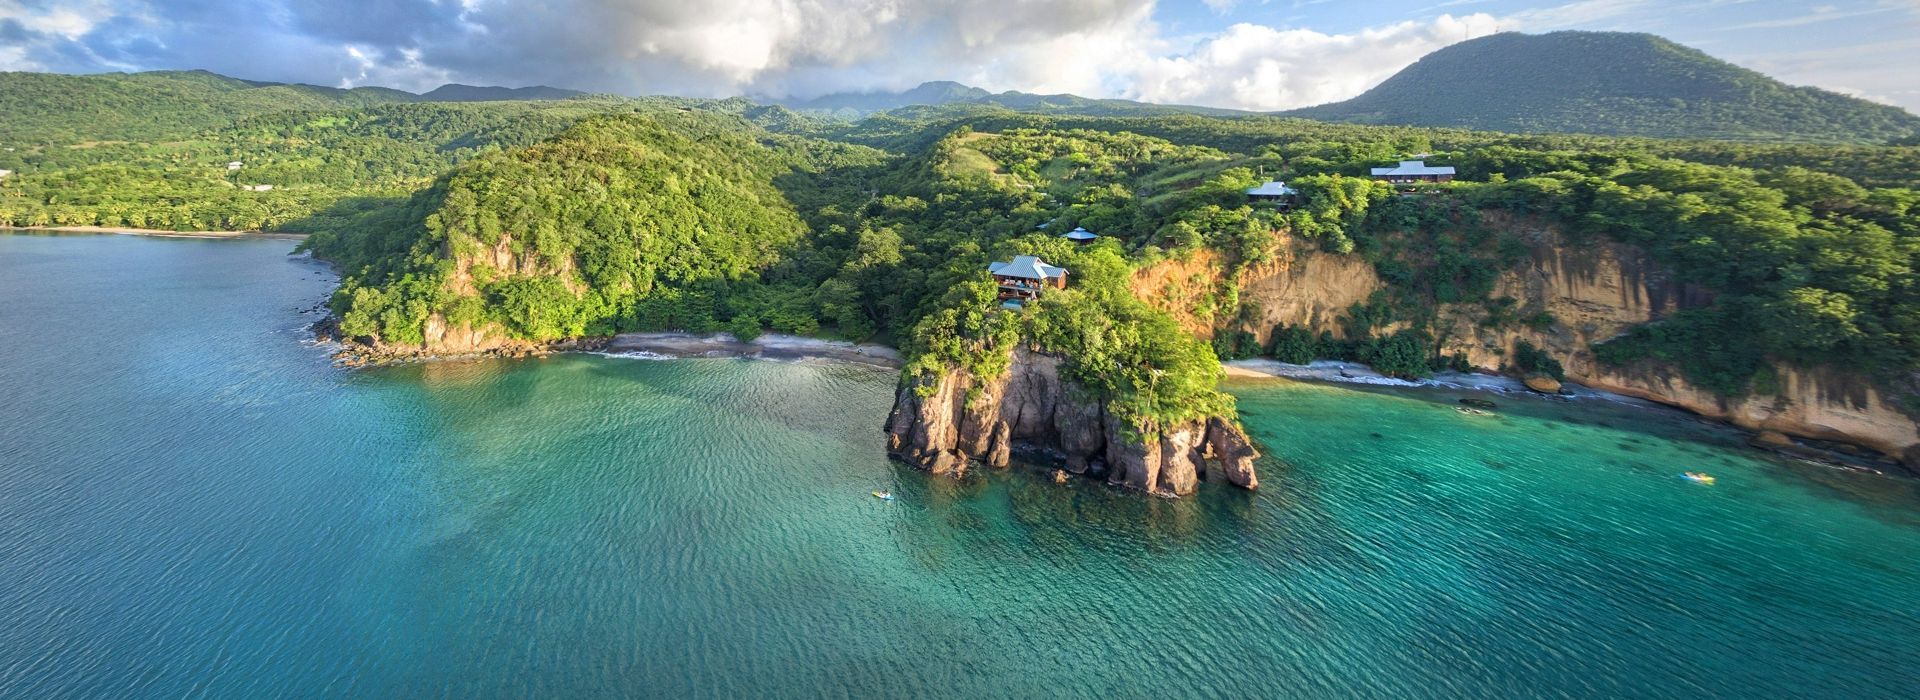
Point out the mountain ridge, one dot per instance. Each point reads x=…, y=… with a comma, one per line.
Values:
x=1610, y=83
x=941, y=93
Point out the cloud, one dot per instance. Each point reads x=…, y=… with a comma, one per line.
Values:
x=1257, y=67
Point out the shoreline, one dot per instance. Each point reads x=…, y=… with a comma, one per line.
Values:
x=770, y=346
x=1342, y=372
x=1831, y=454
x=161, y=233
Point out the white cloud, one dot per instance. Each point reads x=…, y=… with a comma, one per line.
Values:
x=69, y=20
x=1257, y=67
x=14, y=58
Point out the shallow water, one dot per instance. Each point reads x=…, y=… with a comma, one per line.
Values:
x=192, y=502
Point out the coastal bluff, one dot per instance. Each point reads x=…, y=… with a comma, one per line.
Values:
x=1593, y=292
x=944, y=422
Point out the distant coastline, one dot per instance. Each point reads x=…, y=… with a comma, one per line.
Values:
x=158, y=233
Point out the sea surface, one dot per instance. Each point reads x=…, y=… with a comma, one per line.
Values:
x=194, y=503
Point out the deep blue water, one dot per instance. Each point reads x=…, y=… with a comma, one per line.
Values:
x=194, y=503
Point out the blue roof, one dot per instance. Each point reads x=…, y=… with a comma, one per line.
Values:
x=1080, y=234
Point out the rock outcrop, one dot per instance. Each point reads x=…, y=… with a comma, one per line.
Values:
x=943, y=423
x=1544, y=385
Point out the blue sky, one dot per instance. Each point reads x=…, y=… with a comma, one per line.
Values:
x=1252, y=54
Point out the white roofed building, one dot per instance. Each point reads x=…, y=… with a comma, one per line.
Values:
x=1272, y=191
x=1411, y=171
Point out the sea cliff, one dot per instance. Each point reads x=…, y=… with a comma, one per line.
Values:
x=944, y=422
x=1594, y=290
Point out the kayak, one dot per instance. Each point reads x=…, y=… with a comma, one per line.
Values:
x=1698, y=478
x=883, y=495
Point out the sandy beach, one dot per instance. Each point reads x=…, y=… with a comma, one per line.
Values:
x=1356, y=373
x=158, y=233
x=772, y=346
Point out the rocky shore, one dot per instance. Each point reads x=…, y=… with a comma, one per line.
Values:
x=1829, y=452
x=945, y=423
x=353, y=353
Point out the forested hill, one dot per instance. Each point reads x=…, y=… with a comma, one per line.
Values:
x=42, y=108
x=49, y=108
x=1611, y=83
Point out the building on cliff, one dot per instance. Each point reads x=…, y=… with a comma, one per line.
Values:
x=1081, y=236
x=1412, y=171
x=1023, y=278
x=1272, y=192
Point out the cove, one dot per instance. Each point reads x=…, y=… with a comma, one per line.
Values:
x=194, y=502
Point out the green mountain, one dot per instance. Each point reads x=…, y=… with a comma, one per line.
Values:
x=45, y=108
x=1611, y=83
x=48, y=108
x=455, y=92
x=937, y=92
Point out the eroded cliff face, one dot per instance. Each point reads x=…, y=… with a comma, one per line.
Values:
x=472, y=263
x=963, y=419
x=1598, y=289
x=1595, y=290
x=1300, y=288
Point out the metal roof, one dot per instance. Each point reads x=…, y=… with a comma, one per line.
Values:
x=1080, y=234
x=1273, y=188
x=1026, y=267
x=1414, y=167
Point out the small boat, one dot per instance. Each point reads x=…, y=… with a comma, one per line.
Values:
x=883, y=495
x=1698, y=477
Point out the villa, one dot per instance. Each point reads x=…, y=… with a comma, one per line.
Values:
x=1412, y=171
x=1025, y=277
x=1274, y=191
x=1081, y=236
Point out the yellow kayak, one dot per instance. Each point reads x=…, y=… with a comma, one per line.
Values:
x=883, y=495
x=1698, y=477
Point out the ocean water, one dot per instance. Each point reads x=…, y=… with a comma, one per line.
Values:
x=194, y=503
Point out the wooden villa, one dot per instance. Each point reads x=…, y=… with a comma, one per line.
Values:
x=1025, y=277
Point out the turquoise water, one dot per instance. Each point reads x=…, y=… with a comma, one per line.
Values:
x=193, y=503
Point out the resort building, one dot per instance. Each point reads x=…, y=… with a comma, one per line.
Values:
x=5, y=172
x=1412, y=171
x=233, y=165
x=1274, y=191
x=1080, y=236
x=1025, y=277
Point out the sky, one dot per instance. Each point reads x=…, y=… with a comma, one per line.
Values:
x=1247, y=54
